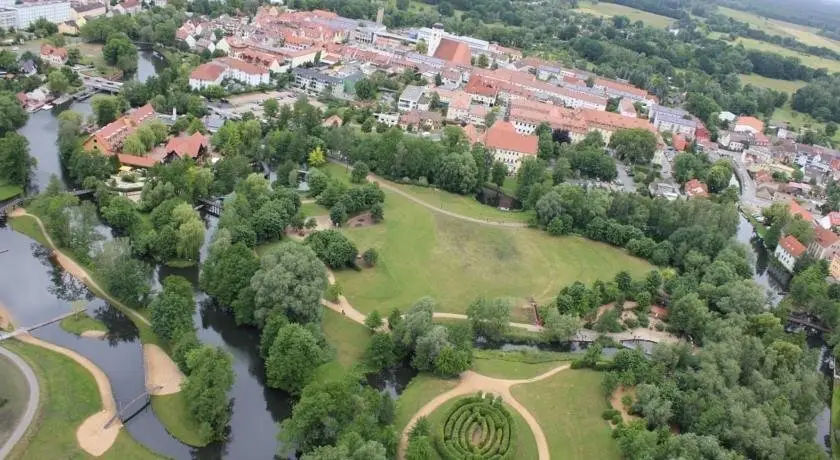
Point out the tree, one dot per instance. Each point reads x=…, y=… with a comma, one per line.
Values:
x=370, y=257
x=291, y=280
x=490, y=318
x=450, y=361
x=457, y=173
x=830, y=129
x=377, y=212
x=105, y=109
x=125, y=278
x=333, y=248
x=317, y=158
x=190, y=239
x=374, y=320
x=292, y=359
x=57, y=82
x=120, y=52
x=530, y=173
x=210, y=378
x=120, y=213
x=429, y=345
x=689, y=315
x=560, y=328
x=12, y=115
x=228, y=269
x=172, y=310
x=270, y=108
x=483, y=62
x=338, y=214
x=634, y=145
x=380, y=353
x=15, y=162
x=365, y=89
x=498, y=174
x=359, y=173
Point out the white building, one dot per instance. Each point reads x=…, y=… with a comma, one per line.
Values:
x=788, y=250
x=55, y=11
x=212, y=73
x=410, y=98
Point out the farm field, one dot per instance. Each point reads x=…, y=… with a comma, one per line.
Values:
x=568, y=407
x=424, y=253
x=806, y=35
x=608, y=10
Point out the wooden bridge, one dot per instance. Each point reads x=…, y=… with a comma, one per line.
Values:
x=24, y=330
x=121, y=413
x=213, y=207
x=804, y=320
x=82, y=192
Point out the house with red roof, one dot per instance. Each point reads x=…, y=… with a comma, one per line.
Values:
x=454, y=51
x=830, y=221
x=53, y=55
x=193, y=146
x=696, y=189
x=825, y=244
x=508, y=146
x=788, y=251
x=795, y=209
x=213, y=72
x=748, y=125
x=108, y=139
x=679, y=142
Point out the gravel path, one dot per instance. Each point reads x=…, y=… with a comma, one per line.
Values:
x=31, y=404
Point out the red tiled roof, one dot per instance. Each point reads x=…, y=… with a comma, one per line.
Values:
x=141, y=114
x=679, y=142
x=503, y=136
x=134, y=160
x=453, y=51
x=695, y=188
x=242, y=66
x=834, y=218
x=207, y=72
x=187, y=145
x=825, y=238
x=48, y=50
x=792, y=246
x=797, y=210
x=752, y=122
x=472, y=134
x=479, y=86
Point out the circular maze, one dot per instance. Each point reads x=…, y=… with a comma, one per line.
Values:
x=477, y=428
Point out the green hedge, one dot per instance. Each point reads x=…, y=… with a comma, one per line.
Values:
x=453, y=440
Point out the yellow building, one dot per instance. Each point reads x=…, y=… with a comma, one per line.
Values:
x=834, y=268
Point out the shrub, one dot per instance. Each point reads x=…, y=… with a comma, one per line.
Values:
x=370, y=257
x=332, y=292
x=453, y=439
x=609, y=414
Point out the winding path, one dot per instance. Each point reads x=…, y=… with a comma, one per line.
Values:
x=31, y=404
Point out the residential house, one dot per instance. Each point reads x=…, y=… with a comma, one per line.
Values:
x=748, y=125
x=332, y=121
x=677, y=121
x=387, y=119
x=481, y=91
x=127, y=7
x=53, y=55
x=87, y=10
x=825, y=245
x=410, y=98
x=458, y=108
x=665, y=190
x=213, y=72
x=795, y=209
x=341, y=85
x=69, y=27
x=696, y=189
x=421, y=120
x=788, y=251
x=194, y=146
x=830, y=221
x=626, y=108
x=108, y=139
x=508, y=146
x=727, y=117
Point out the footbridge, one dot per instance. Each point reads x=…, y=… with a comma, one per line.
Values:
x=26, y=330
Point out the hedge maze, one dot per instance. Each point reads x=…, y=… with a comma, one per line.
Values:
x=477, y=428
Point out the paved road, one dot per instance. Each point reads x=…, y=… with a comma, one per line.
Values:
x=31, y=405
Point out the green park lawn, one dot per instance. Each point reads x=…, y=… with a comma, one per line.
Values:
x=422, y=389
x=835, y=420
x=809, y=60
x=787, y=86
x=422, y=253
x=173, y=413
x=608, y=10
x=348, y=338
x=68, y=396
x=526, y=443
x=518, y=365
x=8, y=190
x=14, y=394
x=29, y=227
x=806, y=35
x=82, y=322
x=313, y=209
x=568, y=407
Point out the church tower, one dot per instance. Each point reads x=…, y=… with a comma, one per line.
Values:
x=435, y=38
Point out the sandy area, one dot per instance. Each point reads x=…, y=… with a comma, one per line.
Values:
x=615, y=402
x=6, y=318
x=94, y=334
x=91, y=435
x=162, y=374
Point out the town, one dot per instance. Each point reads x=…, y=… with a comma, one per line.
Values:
x=418, y=230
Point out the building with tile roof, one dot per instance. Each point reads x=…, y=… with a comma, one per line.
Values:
x=508, y=146
x=788, y=251
x=825, y=244
x=696, y=189
x=454, y=51
x=108, y=139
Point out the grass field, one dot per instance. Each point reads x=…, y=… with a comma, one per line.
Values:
x=806, y=35
x=313, y=209
x=526, y=444
x=518, y=365
x=68, y=396
x=608, y=10
x=422, y=389
x=789, y=87
x=350, y=341
x=568, y=407
x=426, y=253
x=8, y=190
x=172, y=412
x=14, y=394
x=809, y=60
x=799, y=120
x=82, y=322
x=835, y=420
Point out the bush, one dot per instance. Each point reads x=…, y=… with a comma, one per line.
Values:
x=660, y=327
x=616, y=419
x=370, y=257
x=609, y=414
x=453, y=438
x=332, y=292
x=631, y=323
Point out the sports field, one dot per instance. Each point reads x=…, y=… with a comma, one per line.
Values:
x=425, y=253
x=608, y=10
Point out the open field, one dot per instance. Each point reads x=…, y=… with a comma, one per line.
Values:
x=517, y=365
x=787, y=86
x=526, y=444
x=568, y=407
x=350, y=341
x=608, y=10
x=13, y=397
x=835, y=420
x=68, y=396
x=422, y=389
x=313, y=209
x=806, y=35
x=423, y=253
x=172, y=412
x=799, y=120
x=809, y=60
x=82, y=322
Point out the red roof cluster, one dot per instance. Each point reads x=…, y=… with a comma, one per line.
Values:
x=187, y=146
x=797, y=210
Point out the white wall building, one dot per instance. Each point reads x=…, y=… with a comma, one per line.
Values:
x=788, y=250
x=55, y=11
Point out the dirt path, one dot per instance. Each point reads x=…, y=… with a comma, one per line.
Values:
x=471, y=383
x=91, y=435
x=164, y=372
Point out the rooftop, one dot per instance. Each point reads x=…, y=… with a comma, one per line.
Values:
x=792, y=246
x=503, y=136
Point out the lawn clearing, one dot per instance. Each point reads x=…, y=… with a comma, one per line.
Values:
x=14, y=394
x=313, y=209
x=173, y=414
x=568, y=407
x=68, y=396
x=809, y=60
x=789, y=87
x=806, y=35
x=526, y=444
x=518, y=364
x=29, y=227
x=350, y=341
x=423, y=253
x=608, y=10
x=81, y=322
x=422, y=389
x=8, y=191
x=835, y=420
x=798, y=120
